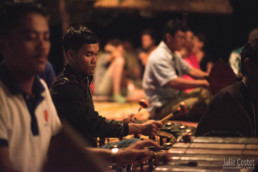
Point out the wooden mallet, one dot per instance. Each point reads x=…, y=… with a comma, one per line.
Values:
x=182, y=107
x=143, y=104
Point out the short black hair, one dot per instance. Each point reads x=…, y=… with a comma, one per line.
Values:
x=150, y=32
x=115, y=42
x=201, y=38
x=77, y=36
x=250, y=50
x=172, y=26
x=12, y=13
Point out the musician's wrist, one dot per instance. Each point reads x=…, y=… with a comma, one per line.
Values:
x=135, y=128
x=202, y=83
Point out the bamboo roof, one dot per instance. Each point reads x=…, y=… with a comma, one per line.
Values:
x=189, y=6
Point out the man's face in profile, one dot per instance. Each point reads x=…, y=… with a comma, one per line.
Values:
x=177, y=41
x=28, y=47
x=189, y=43
x=86, y=58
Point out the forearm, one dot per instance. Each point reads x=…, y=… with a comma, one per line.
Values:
x=181, y=83
x=136, y=152
x=148, y=128
x=89, y=122
x=134, y=128
x=104, y=154
x=108, y=128
x=196, y=73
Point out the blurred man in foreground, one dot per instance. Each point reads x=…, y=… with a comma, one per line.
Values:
x=28, y=118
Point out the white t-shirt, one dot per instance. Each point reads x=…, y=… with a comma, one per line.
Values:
x=27, y=151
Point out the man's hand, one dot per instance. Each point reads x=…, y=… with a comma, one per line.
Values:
x=197, y=73
x=150, y=128
x=144, y=58
x=136, y=152
x=205, y=84
x=129, y=118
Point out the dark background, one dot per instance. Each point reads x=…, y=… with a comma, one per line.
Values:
x=223, y=32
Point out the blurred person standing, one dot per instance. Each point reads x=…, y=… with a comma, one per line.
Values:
x=148, y=42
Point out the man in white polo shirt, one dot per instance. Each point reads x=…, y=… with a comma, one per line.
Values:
x=28, y=118
x=163, y=83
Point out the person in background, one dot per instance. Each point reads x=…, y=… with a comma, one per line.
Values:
x=233, y=111
x=132, y=73
x=187, y=54
x=115, y=74
x=48, y=75
x=132, y=66
x=163, y=82
x=203, y=58
x=109, y=80
x=187, y=50
x=148, y=41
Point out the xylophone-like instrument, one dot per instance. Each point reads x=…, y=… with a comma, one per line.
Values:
x=213, y=154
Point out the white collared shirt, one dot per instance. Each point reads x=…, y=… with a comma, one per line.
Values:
x=27, y=151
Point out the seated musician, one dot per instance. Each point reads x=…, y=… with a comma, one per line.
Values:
x=72, y=96
x=163, y=83
x=233, y=111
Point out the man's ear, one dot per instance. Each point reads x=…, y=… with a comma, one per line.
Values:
x=168, y=37
x=120, y=48
x=70, y=55
x=248, y=65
